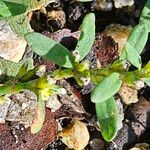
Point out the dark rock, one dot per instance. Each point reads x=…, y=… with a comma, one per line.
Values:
x=51, y=18
x=139, y=116
x=75, y=12
x=6, y=139
x=124, y=140
x=20, y=138
x=106, y=49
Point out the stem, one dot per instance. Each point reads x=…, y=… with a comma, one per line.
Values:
x=31, y=85
x=31, y=74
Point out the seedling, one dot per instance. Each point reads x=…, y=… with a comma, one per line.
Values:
x=107, y=80
x=138, y=38
x=22, y=77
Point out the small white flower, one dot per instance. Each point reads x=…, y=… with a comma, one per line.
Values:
x=126, y=64
x=86, y=64
x=63, y=91
x=76, y=55
x=41, y=70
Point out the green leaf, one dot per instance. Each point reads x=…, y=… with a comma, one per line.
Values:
x=20, y=23
x=62, y=74
x=130, y=78
x=87, y=35
x=10, y=68
x=32, y=73
x=40, y=116
x=147, y=81
x=50, y=49
x=8, y=9
x=138, y=37
x=106, y=88
x=132, y=56
x=146, y=68
x=22, y=71
x=135, y=45
x=108, y=117
x=145, y=15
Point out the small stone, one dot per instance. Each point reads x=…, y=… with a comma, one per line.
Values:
x=138, y=116
x=122, y=3
x=53, y=103
x=128, y=94
x=141, y=146
x=97, y=144
x=121, y=113
x=4, y=109
x=21, y=109
x=12, y=47
x=75, y=136
x=30, y=95
x=105, y=5
x=119, y=33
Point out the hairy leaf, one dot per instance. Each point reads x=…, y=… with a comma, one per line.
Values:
x=108, y=117
x=40, y=116
x=8, y=9
x=106, y=88
x=145, y=15
x=132, y=56
x=50, y=49
x=138, y=37
x=10, y=68
x=135, y=45
x=20, y=23
x=87, y=35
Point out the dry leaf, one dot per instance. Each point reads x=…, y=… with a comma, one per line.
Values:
x=39, y=118
x=75, y=136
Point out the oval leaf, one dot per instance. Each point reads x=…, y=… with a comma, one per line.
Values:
x=147, y=81
x=8, y=9
x=108, y=117
x=135, y=45
x=145, y=15
x=50, y=49
x=138, y=37
x=106, y=88
x=132, y=56
x=40, y=116
x=87, y=35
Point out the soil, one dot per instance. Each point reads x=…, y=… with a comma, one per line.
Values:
x=63, y=27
